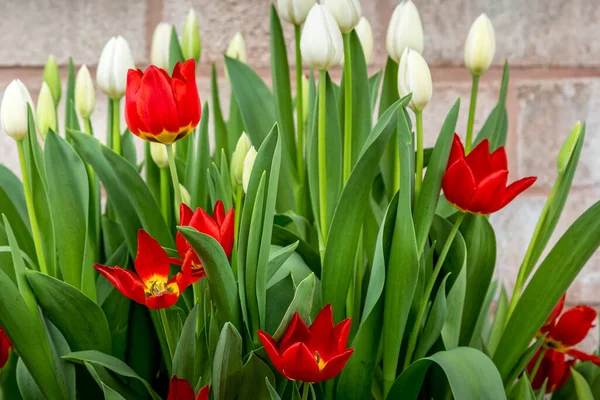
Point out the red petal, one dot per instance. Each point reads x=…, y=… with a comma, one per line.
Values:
x=487, y=192
x=335, y=365
x=515, y=189
x=134, y=81
x=551, y=320
x=299, y=364
x=219, y=212
x=340, y=335
x=151, y=261
x=203, y=393
x=321, y=331
x=156, y=104
x=498, y=160
x=479, y=161
x=125, y=281
x=5, y=346
x=556, y=369
x=186, y=94
x=573, y=326
x=295, y=332
x=459, y=184
x=163, y=300
x=271, y=348
x=203, y=223
x=457, y=151
x=185, y=214
x=227, y=232
x=580, y=355
x=180, y=389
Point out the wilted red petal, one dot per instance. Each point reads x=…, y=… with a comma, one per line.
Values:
x=457, y=151
x=556, y=370
x=180, y=389
x=573, y=325
x=516, y=188
x=582, y=356
x=459, y=184
x=203, y=393
x=487, y=192
x=335, y=365
x=551, y=320
x=295, y=332
x=227, y=232
x=156, y=103
x=299, y=364
x=151, y=261
x=162, y=300
x=479, y=161
x=125, y=281
x=271, y=348
x=498, y=160
x=219, y=212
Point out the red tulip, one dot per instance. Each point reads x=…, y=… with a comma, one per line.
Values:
x=563, y=332
x=180, y=389
x=5, y=346
x=476, y=183
x=312, y=354
x=219, y=227
x=159, y=108
x=151, y=285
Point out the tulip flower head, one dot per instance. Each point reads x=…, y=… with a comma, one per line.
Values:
x=405, y=31
x=159, y=155
x=191, y=41
x=237, y=158
x=476, y=183
x=45, y=111
x=365, y=35
x=13, y=110
x=563, y=332
x=237, y=48
x=220, y=227
x=159, y=108
x=85, y=95
x=5, y=346
x=150, y=284
x=480, y=46
x=248, y=165
x=294, y=11
x=116, y=59
x=52, y=78
x=321, y=42
x=313, y=354
x=161, y=44
x=414, y=77
x=180, y=389
x=347, y=13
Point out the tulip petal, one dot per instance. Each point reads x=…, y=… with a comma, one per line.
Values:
x=180, y=389
x=321, y=331
x=151, y=261
x=459, y=184
x=219, y=212
x=340, y=335
x=203, y=223
x=271, y=348
x=295, y=332
x=156, y=103
x=125, y=281
x=457, y=151
x=515, y=189
x=580, y=355
x=186, y=95
x=203, y=393
x=479, y=161
x=5, y=346
x=498, y=160
x=227, y=232
x=551, y=320
x=299, y=364
x=185, y=216
x=132, y=118
x=162, y=300
x=487, y=192
x=335, y=365
x=573, y=325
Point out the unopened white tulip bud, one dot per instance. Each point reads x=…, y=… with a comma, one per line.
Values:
x=158, y=151
x=186, y=198
x=248, y=165
x=321, y=43
x=365, y=34
x=414, y=77
x=116, y=59
x=13, y=110
x=191, y=41
x=347, y=13
x=46, y=111
x=237, y=158
x=294, y=11
x=405, y=30
x=85, y=94
x=480, y=46
x=161, y=43
x=237, y=48
x=52, y=78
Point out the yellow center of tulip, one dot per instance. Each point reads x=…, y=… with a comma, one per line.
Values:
x=556, y=345
x=319, y=360
x=158, y=287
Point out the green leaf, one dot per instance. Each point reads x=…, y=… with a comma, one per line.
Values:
x=548, y=284
x=71, y=121
x=521, y=390
x=227, y=367
x=301, y=303
x=499, y=321
x=389, y=94
x=116, y=308
x=254, y=372
x=12, y=204
x=80, y=320
x=525, y=358
x=175, y=53
x=27, y=386
x=374, y=85
x=435, y=322
x=280, y=256
x=109, y=393
x=196, y=184
x=220, y=129
x=345, y=231
x=427, y=201
x=285, y=237
x=470, y=373
x=184, y=362
x=495, y=127
x=582, y=388
x=272, y=392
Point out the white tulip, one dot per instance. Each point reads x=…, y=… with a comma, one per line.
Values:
x=405, y=30
x=191, y=41
x=237, y=158
x=158, y=151
x=85, y=94
x=480, y=46
x=365, y=34
x=13, y=110
x=161, y=43
x=321, y=43
x=347, y=13
x=414, y=77
x=237, y=48
x=295, y=11
x=116, y=59
x=248, y=165
x=46, y=111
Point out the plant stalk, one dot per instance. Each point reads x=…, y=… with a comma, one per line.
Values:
x=175, y=179
x=164, y=194
x=322, y=140
x=116, y=126
x=347, y=108
x=168, y=334
x=419, y=160
x=300, y=121
x=472, y=107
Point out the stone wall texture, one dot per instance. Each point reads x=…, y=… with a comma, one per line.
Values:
x=552, y=47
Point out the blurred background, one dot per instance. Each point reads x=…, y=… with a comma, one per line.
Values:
x=551, y=45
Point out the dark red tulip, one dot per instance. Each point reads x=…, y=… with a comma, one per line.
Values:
x=476, y=183
x=5, y=346
x=220, y=227
x=312, y=354
x=151, y=285
x=180, y=389
x=160, y=108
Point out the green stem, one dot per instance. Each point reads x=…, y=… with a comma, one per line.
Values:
x=436, y=271
x=164, y=193
x=168, y=335
x=116, y=126
x=87, y=125
x=347, y=108
x=419, y=161
x=323, y=155
x=305, y=390
x=472, y=106
x=396, y=172
x=537, y=364
x=300, y=121
x=237, y=214
x=174, y=178
x=94, y=201
x=35, y=230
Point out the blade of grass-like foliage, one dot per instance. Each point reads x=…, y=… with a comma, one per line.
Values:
x=196, y=184
x=389, y=94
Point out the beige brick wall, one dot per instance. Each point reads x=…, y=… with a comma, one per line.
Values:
x=551, y=44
